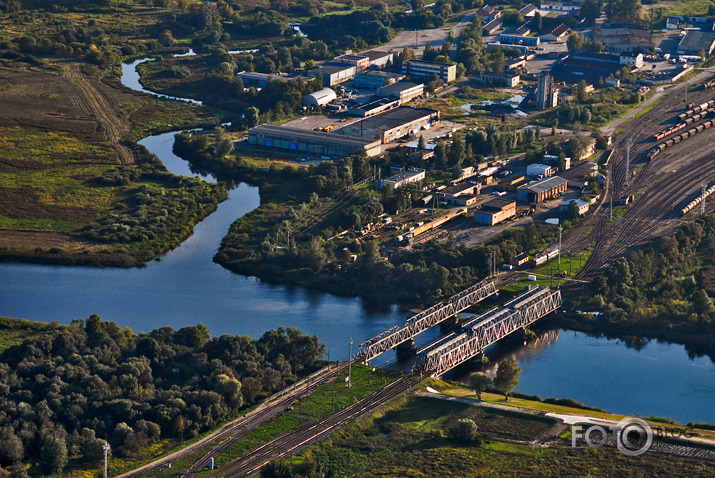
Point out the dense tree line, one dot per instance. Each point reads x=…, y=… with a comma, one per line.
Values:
x=663, y=293
x=65, y=391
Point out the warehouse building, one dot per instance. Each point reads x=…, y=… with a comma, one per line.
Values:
x=495, y=211
x=319, y=98
x=379, y=59
x=492, y=27
x=542, y=190
x=334, y=74
x=540, y=170
x=425, y=69
x=310, y=142
x=460, y=194
x=488, y=13
x=694, y=42
x=374, y=107
x=559, y=33
x=518, y=40
x=403, y=178
x=394, y=124
x=501, y=79
x=375, y=79
x=620, y=38
x=403, y=91
x=581, y=206
x=252, y=79
x=360, y=62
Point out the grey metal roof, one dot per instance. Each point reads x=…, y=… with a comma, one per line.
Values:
x=545, y=184
x=299, y=134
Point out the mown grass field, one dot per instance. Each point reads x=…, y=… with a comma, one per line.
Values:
x=413, y=439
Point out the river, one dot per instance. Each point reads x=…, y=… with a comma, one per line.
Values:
x=185, y=287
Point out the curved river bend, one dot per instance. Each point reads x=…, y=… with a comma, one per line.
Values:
x=186, y=287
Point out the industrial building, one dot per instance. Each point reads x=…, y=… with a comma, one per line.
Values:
x=695, y=41
x=425, y=69
x=393, y=124
x=528, y=10
x=310, y=142
x=488, y=13
x=581, y=206
x=540, y=170
x=360, y=62
x=542, y=190
x=374, y=107
x=521, y=259
x=559, y=33
x=501, y=79
x=620, y=38
x=518, y=40
x=495, y=211
x=379, y=59
x=252, y=79
x=375, y=79
x=593, y=67
x=461, y=194
x=334, y=74
x=492, y=27
x=319, y=98
x=547, y=95
x=403, y=178
x=403, y=91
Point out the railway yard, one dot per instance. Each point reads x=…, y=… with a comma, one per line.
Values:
x=664, y=188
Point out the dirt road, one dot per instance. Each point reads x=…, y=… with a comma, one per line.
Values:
x=417, y=39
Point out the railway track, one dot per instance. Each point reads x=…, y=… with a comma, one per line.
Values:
x=223, y=438
x=295, y=441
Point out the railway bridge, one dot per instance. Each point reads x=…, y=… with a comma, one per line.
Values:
x=446, y=353
x=405, y=334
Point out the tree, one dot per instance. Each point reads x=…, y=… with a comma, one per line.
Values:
x=479, y=382
x=507, y=376
x=53, y=454
x=421, y=143
x=250, y=117
x=590, y=11
x=537, y=22
x=581, y=91
x=11, y=449
x=465, y=430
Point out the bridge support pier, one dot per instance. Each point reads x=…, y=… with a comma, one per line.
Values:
x=448, y=324
x=406, y=348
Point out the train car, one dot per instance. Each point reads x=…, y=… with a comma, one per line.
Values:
x=552, y=254
x=538, y=260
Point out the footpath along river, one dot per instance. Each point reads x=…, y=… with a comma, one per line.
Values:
x=187, y=287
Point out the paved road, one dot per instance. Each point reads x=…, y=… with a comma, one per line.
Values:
x=436, y=36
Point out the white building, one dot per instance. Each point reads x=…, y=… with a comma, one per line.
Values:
x=319, y=98
x=403, y=178
x=540, y=170
x=426, y=69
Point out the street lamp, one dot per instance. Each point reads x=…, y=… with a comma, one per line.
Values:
x=350, y=364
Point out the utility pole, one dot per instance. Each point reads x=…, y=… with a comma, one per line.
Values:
x=350, y=364
x=105, y=447
x=702, y=199
x=558, y=271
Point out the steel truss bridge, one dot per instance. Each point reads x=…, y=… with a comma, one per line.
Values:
x=484, y=330
x=417, y=324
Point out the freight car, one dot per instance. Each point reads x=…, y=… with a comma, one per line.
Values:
x=696, y=201
x=678, y=138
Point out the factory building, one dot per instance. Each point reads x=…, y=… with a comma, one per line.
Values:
x=547, y=95
x=518, y=40
x=488, y=13
x=374, y=107
x=542, y=190
x=403, y=91
x=379, y=59
x=403, y=178
x=501, y=79
x=252, y=79
x=319, y=98
x=425, y=69
x=310, y=142
x=581, y=206
x=492, y=27
x=460, y=194
x=393, y=124
x=559, y=33
x=694, y=42
x=334, y=74
x=360, y=62
x=495, y=211
x=375, y=79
